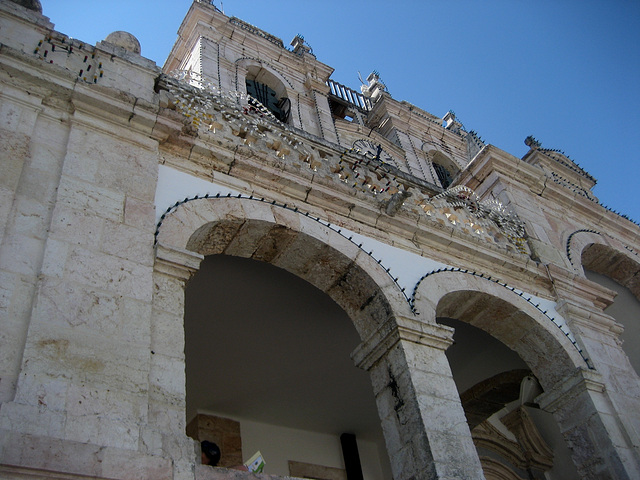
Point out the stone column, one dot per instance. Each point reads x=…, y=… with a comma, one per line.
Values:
x=425, y=428
x=590, y=427
x=165, y=433
x=598, y=410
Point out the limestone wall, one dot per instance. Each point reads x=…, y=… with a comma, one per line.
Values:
x=117, y=180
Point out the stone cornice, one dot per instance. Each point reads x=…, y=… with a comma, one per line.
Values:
x=369, y=352
x=567, y=389
x=586, y=319
x=410, y=119
x=570, y=284
x=61, y=90
x=175, y=262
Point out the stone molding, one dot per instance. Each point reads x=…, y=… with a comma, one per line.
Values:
x=589, y=318
x=369, y=352
x=568, y=388
x=488, y=437
x=176, y=262
x=494, y=470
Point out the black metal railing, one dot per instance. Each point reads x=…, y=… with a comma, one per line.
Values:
x=349, y=95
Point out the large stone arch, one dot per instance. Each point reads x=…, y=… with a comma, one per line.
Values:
x=505, y=315
x=574, y=392
x=425, y=432
x=295, y=242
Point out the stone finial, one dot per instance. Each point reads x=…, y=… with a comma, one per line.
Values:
x=30, y=4
x=299, y=45
x=375, y=86
x=124, y=40
x=451, y=123
x=531, y=142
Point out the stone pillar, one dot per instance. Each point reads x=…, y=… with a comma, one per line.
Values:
x=423, y=421
x=598, y=410
x=590, y=427
x=165, y=433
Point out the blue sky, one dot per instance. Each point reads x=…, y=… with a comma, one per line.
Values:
x=566, y=72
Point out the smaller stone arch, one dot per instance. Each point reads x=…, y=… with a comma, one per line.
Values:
x=505, y=315
x=445, y=168
x=295, y=242
x=615, y=264
x=591, y=250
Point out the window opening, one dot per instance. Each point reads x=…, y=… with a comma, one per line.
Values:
x=280, y=107
x=443, y=175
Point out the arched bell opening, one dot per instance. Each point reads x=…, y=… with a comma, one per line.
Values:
x=267, y=89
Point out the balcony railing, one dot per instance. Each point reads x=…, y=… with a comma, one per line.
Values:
x=349, y=95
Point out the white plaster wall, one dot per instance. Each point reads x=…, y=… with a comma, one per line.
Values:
x=278, y=445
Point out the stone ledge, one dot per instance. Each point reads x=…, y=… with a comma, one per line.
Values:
x=204, y=472
x=35, y=456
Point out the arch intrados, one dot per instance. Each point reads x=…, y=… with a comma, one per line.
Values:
x=514, y=322
x=294, y=242
x=440, y=158
x=267, y=75
x=544, y=348
x=615, y=264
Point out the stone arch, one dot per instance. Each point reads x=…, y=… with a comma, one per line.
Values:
x=295, y=242
x=445, y=168
x=506, y=316
x=604, y=255
x=254, y=65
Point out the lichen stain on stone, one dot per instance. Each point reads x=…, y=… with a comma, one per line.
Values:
x=393, y=385
x=57, y=346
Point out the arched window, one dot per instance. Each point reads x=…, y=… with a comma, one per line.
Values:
x=445, y=169
x=267, y=89
x=443, y=175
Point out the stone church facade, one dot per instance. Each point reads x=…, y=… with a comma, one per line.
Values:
x=120, y=180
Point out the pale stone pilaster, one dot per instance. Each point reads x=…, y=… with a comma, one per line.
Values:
x=327, y=129
x=599, y=410
x=23, y=244
x=423, y=421
x=165, y=433
x=594, y=435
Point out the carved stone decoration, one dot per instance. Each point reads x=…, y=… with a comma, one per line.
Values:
x=494, y=470
x=539, y=455
x=487, y=436
x=209, y=110
x=529, y=453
